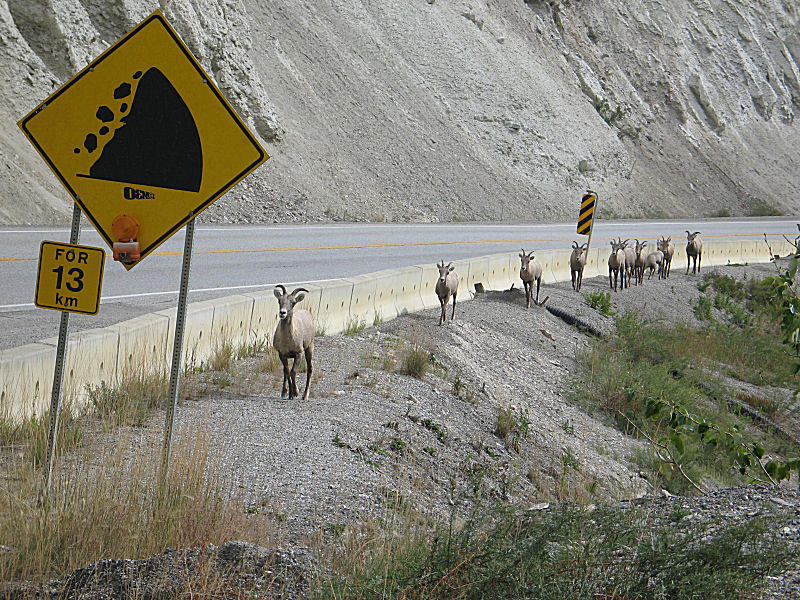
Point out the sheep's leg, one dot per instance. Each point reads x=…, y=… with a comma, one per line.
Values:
x=443, y=314
x=528, y=290
x=285, y=361
x=293, y=378
x=580, y=280
x=309, y=369
x=538, y=285
x=699, y=260
x=610, y=285
x=574, y=284
x=453, y=314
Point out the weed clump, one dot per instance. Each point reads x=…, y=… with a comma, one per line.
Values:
x=601, y=302
x=415, y=361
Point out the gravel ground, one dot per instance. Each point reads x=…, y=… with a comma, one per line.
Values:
x=370, y=437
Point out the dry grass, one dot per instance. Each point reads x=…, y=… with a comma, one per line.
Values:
x=109, y=507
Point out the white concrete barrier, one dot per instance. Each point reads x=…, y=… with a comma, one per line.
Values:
x=142, y=345
x=231, y=324
x=362, y=302
x=90, y=360
x=109, y=354
x=408, y=285
x=333, y=314
x=501, y=273
x=26, y=381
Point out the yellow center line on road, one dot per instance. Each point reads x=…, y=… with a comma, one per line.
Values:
x=397, y=245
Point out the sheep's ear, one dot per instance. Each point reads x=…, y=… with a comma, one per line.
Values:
x=574, y=245
x=521, y=254
x=530, y=254
x=299, y=297
x=450, y=268
x=277, y=293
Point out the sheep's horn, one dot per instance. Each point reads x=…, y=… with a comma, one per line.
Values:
x=574, y=245
x=282, y=289
x=299, y=290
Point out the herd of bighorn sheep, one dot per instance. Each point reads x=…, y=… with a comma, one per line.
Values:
x=294, y=335
x=629, y=263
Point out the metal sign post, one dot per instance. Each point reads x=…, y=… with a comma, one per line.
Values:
x=58, y=374
x=177, y=352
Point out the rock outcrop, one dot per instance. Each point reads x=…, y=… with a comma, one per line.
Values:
x=442, y=110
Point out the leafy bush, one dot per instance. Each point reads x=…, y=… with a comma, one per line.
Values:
x=566, y=552
x=601, y=302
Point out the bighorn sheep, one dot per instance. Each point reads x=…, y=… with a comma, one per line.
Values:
x=293, y=335
x=630, y=263
x=616, y=264
x=668, y=248
x=577, y=262
x=694, y=249
x=654, y=260
x=641, y=258
x=530, y=270
x=446, y=286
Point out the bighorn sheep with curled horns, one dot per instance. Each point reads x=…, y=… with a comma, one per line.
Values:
x=694, y=249
x=668, y=249
x=616, y=264
x=641, y=258
x=577, y=262
x=293, y=335
x=530, y=270
x=446, y=286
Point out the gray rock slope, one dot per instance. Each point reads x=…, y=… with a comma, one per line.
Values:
x=455, y=109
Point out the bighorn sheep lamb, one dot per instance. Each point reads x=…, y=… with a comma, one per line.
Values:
x=654, y=260
x=668, y=248
x=577, y=262
x=616, y=264
x=530, y=270
x=641, y=258
x=446, y=286
x=293, y=335
x=694, y=249
x=630, y=263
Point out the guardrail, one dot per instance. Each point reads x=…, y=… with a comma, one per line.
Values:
x=145, y=342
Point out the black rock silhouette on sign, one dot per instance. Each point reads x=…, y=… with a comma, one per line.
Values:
x=158, y=145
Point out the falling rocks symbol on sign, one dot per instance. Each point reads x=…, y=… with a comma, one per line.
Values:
x=158, y=145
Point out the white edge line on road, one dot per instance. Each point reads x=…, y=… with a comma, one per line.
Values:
x=218, y=289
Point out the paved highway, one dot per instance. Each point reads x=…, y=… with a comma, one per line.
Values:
x=236, y=259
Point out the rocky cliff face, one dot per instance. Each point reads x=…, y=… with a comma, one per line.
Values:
x=455, y=109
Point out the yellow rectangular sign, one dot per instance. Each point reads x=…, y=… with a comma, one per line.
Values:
x=586, y=214
x=70, y=277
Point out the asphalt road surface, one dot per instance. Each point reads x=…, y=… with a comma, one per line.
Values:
x=236, y=259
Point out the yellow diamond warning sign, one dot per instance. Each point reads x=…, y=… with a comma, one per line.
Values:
x=143, y=131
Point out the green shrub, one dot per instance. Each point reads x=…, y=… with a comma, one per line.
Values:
x=600, y=301
x=415, y=361
x=566, y=552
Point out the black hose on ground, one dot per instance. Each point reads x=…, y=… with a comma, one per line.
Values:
x=571, y=319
